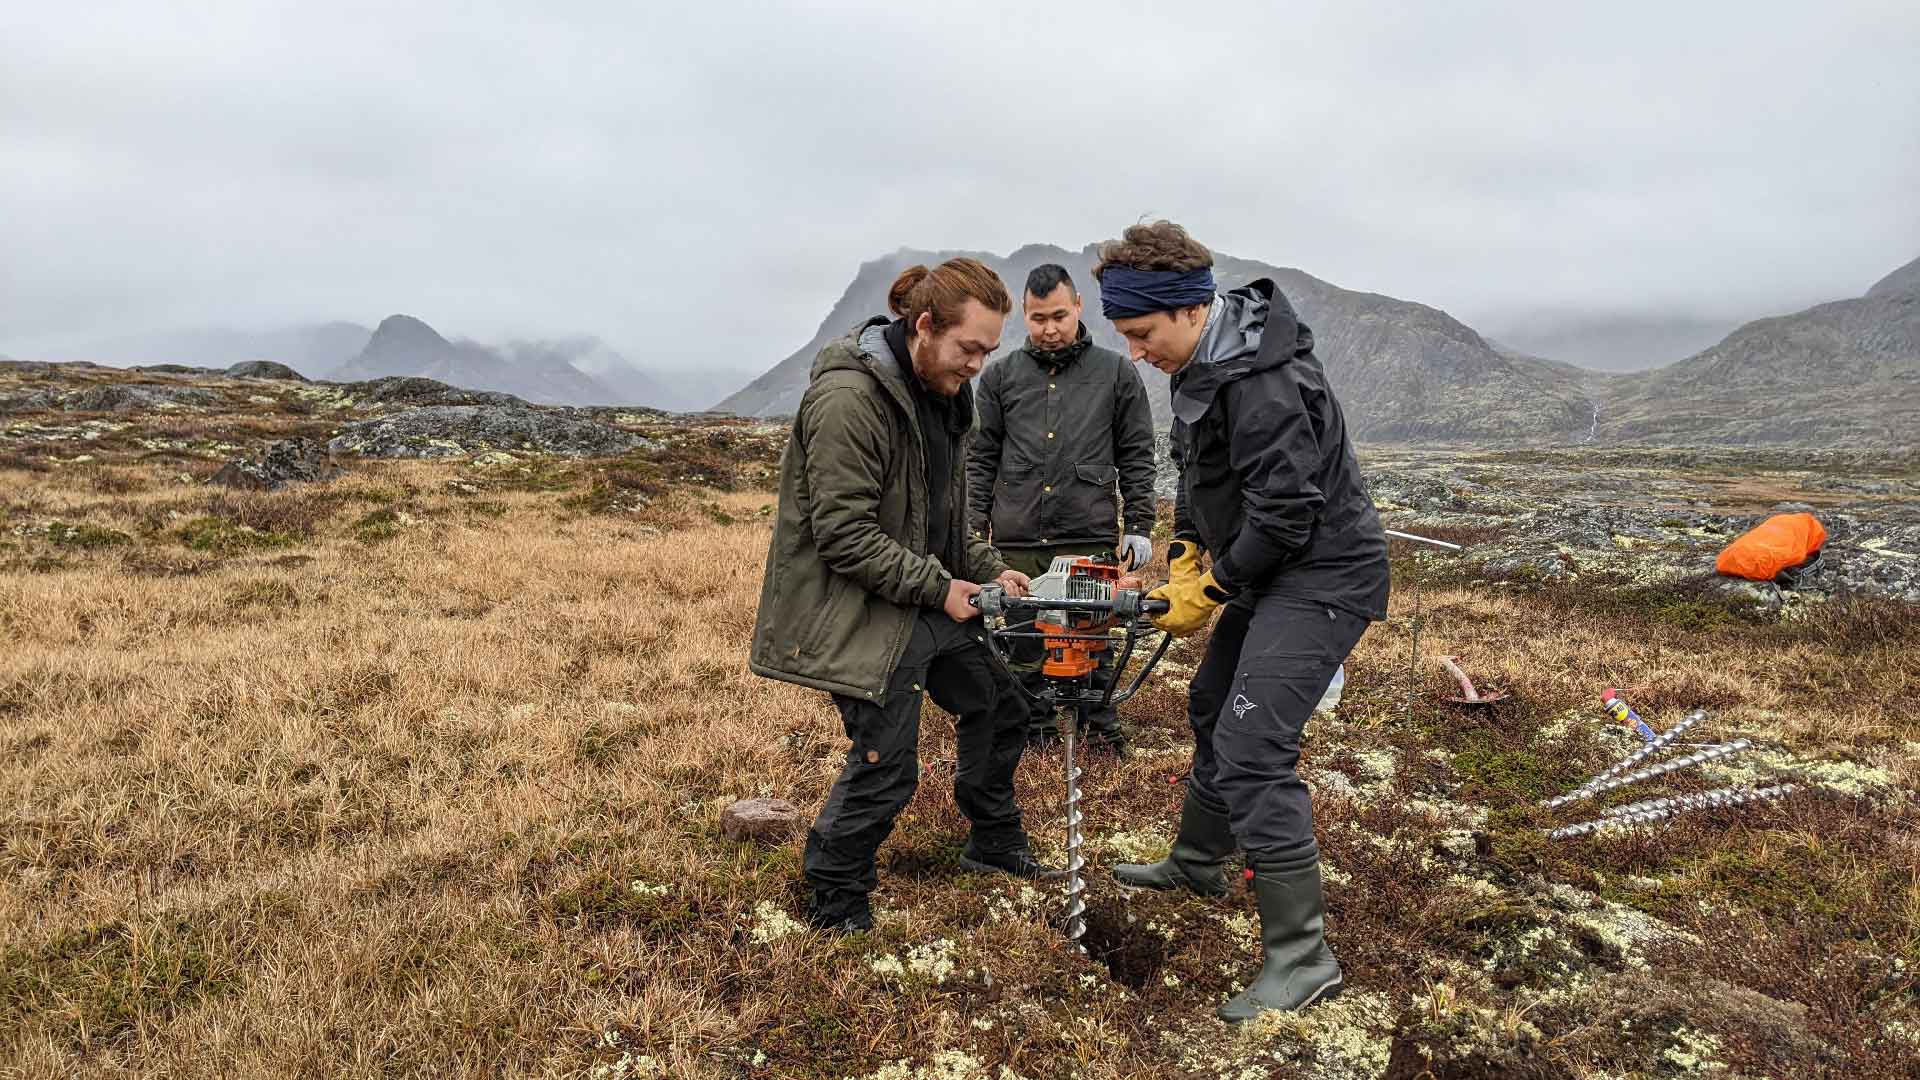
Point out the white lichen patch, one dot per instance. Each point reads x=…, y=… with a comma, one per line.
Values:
x=1694, y=1051
x=1474, y=886
x=642, y=888
x=770, y=923
x=1761, y=767
x=1347, y=1038
x=1331, y=783
x=628, y=1066
x=1138, y=846
x=933, y=961
x=945, y=1065
x=1378, y=765
x=1564, y=725
x=1240, y=924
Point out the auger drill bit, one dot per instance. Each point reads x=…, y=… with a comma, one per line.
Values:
x=1661, y=742
x=1076, y=888
x=1688, y=761
x=1642, y=813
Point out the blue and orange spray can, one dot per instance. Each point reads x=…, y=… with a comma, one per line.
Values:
x=1618, y=708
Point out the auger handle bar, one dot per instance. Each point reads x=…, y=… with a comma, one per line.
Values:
x=1128, y=606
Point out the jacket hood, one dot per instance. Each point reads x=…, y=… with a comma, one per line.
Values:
x=1249, y=329
x=865, y=349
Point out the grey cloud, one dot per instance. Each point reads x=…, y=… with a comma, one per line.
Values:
x=696, y=183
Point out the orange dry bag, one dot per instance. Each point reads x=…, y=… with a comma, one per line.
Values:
x=1781, y=542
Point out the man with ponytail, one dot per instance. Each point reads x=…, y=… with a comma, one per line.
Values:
x=1269, y=487
x=871, y=576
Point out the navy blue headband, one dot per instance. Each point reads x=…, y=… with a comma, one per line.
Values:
x=1126, y=292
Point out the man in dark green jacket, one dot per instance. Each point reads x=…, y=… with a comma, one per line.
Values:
x=871, y=578
x=1062, y=463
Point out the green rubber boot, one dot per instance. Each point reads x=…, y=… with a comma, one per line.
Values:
x=1299, y=968
x=1198, y=860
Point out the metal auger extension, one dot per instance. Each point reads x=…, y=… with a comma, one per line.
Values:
x=1593, y=786
x=1642, y=813
x=1698, y=757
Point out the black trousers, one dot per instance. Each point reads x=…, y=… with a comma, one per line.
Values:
x=950, y=662
x=1268, y=662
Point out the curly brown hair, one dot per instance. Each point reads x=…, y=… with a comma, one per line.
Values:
x=1159, y=245
x=945, y=290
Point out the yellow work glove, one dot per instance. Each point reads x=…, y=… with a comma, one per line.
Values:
x=1183, y=560
x=1190, y=602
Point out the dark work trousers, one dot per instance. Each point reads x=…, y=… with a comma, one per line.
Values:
x=950, y=662
x=1025, y=654
x=1268, y=662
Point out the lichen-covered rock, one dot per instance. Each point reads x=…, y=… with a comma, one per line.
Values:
x=459, y=430
x=414, y=390
x=291, y=461
x=122, y=397
x=264, y=369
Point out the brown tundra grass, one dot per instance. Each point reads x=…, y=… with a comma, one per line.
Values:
x=397, y=781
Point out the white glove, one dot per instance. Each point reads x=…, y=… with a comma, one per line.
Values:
x=1136, y=550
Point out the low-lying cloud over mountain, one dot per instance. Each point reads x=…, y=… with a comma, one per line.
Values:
x=1839, y=374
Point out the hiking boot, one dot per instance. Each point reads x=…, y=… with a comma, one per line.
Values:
x=840, y=912
x=1299, y=968
x=1019, y=862
x=1198, y=861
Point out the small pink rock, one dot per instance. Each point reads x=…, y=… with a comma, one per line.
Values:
x=769, y=821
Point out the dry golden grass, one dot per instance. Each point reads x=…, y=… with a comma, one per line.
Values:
x=426, y=783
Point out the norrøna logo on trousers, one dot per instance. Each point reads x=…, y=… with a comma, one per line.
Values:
x=1241, y=704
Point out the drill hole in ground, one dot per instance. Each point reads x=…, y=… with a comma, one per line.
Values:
x=1129, y=951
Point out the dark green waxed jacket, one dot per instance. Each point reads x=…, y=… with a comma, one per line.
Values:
x=848, y=567
x=1064, y=451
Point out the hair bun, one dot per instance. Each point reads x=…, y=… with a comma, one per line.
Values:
x=898, y=296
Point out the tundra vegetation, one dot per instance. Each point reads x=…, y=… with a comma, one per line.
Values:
x=419, y=771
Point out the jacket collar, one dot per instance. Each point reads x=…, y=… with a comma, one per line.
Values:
x=1062, y=357
x=1249, y=329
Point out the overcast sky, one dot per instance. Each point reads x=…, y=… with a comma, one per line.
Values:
x=697, y=183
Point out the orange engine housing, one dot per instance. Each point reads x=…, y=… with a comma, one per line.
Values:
x=1077, y=657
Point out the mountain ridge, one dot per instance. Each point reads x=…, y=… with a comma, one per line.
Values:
x=1404, y=370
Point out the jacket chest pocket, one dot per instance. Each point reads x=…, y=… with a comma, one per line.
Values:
x=1090, y=498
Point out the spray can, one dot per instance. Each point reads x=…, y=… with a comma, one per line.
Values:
x=1618, y=708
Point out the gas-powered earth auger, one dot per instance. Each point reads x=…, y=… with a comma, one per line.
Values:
x=1077, y=605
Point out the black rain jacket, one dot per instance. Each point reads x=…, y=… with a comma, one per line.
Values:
x=1269, y=482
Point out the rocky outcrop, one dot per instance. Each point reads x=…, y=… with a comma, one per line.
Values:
x=1654, y=518
x=125, y=397
x=410, y=391
x=457, y=430
x=290, y=461
x=264, y=369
